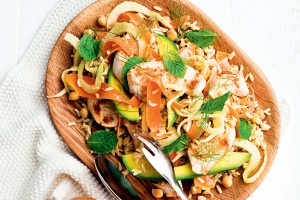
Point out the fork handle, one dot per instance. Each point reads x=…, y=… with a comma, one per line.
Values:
x=178, y=190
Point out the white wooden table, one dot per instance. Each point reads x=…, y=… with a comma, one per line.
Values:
x=268, y=30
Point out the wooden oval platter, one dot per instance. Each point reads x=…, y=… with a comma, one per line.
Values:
x=62, y=110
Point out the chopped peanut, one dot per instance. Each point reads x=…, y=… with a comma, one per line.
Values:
x=157, y=193
x=102, y=20
x=73, y=96
x=172, y=34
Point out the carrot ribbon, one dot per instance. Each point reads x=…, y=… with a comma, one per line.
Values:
x=153, y=115
x=105, y=91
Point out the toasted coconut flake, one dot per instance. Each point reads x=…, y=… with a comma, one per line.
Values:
x=108, y=89
x=219, y=189
x=72, y=124
x=157, y=8
x=152, y=104
x=136, y=171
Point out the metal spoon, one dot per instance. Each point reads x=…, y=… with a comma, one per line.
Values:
x=114, y=180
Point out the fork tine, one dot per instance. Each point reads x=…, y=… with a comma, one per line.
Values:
x=159, y=161
x=147, y=154
x=154, y=142
x=149, y=144
x=146, y=135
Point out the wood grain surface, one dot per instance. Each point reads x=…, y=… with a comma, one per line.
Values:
x=62, y=110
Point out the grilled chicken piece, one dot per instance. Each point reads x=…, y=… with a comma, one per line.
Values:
x=203, y=156
x=103, y=112
x=138, y=77
x=226, y=78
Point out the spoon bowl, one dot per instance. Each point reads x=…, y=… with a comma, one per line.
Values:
x=114, y=181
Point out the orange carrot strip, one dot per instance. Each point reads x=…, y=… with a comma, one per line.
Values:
x=220, y=55
x=153, y=54
x=130, y=17
x=144, y=120
x=101, y=34
x=233, y=112
x=124, y=17
x=134, y=46
x=153, y=115
x=129, y=46
x=144, y=34
x=144, y=37
x=177, y=106
x=174, y=24
x=172, y=156
x=195, y=131
x=105, y=92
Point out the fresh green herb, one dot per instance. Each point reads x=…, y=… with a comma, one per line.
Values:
x=244, y=129
x=174, y=64
x=178, y=145
x=128, y=65
x=203, y=121
x=216, y=104
x=102, y=142
x=208, y=151
x=89, y=48
x=202, y=38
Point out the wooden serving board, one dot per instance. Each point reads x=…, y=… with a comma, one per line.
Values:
x=62, y=110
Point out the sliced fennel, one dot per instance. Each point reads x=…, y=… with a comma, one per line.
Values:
x=63, y=75
x=66, y=87
x=98, y=78
x=60, y=94
x=122, y=27
x=166, y=141
x=72, y=39
x=129, y=6
x=254, y=161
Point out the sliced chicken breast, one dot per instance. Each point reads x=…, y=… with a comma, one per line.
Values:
x=138, y=77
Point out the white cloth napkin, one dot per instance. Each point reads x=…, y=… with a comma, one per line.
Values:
x=35, y=163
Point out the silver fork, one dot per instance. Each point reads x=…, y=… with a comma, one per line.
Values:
x=160, y=161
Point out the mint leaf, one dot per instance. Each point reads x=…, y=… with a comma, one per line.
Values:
x=216, y=104
x=102, y=142
x=202, y=38
x=131, y=62
x=244, y=129
x=174, y=64
x=178, y=145
x=89, y=48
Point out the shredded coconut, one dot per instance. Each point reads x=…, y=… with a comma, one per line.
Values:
x=108, y=89
x=136, y=171
x=77, y=112
x=71, y=124
x=125, y=172
x=157, y=8
x=143, y=168
x=219, y=189
x=152, y=104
